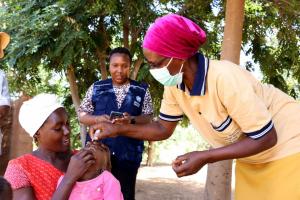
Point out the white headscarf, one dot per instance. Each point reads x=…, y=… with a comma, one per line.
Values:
x=34, y=112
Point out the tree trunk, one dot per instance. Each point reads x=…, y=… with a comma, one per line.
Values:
x=101, y=58
x=135, y=33
x=151, y=153
x=126, y=30
x=76, y=100
x=233, y=31
x=218, y=183
x=16, y=141
x=136, y=67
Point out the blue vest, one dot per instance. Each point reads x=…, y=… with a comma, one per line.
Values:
x=104, y=101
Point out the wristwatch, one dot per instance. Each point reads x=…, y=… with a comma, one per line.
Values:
x=132, y=121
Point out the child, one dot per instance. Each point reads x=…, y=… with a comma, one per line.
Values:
x=97, y=183
x=5, y=189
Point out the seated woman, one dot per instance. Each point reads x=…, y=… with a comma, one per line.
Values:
x=97, y=182
x=35, y=175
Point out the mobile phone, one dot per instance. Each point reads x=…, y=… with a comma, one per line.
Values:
x=115, y=114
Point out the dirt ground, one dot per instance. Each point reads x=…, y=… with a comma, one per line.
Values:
x=160, y=183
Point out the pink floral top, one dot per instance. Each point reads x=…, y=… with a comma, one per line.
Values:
x=103, y=187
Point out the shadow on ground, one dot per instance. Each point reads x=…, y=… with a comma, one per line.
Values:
x=160, y=182
x=168, y=189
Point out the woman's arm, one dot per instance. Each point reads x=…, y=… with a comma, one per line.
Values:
x=86, y=108
x=192, y=162
x=152, y=131
x=25, y=193
x=88, y=119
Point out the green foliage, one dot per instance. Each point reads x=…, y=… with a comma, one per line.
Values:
x=50, y=36
x=271, y=36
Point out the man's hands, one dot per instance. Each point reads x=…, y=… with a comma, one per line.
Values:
x=190, y=163
x=103, y=130
x=106, y=128
x=122, y=120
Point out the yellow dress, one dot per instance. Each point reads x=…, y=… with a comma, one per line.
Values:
x=275, y=180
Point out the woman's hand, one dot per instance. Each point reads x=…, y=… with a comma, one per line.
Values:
x=79, y=164
x=122, y=120
x=189, y=163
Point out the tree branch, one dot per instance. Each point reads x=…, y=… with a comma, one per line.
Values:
x=101, y=58
x=126, y=30
x=136, y=67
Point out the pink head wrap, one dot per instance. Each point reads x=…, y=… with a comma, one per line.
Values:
x=174, y=36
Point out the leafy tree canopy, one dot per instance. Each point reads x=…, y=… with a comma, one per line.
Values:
x=49, y=37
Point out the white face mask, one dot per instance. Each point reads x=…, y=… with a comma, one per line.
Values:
x=163, y=75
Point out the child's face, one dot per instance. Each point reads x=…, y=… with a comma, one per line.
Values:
x=101, y=154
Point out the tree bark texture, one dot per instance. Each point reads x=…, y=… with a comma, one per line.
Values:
x=126, y=30
x=218, y=183
x=101, y=58
x=151, y=153
x=136, y=67
x=234, y=20
x=76, y=100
